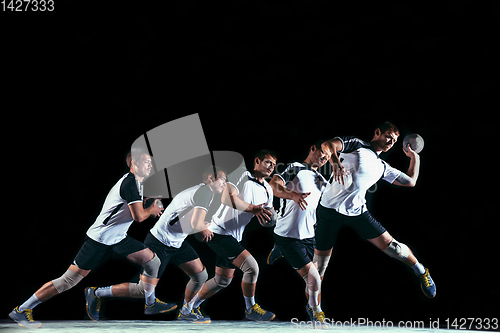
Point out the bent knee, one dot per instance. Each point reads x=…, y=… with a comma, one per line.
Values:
x=250, y=269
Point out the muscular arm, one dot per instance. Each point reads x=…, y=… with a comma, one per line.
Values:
x=410, y=178
x=230, y=198
x=281, y=191
x=198, y=219
x=334, y=146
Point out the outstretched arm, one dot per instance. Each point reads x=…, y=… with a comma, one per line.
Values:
x=410, y=178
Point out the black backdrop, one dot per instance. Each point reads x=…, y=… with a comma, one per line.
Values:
x=83, y=83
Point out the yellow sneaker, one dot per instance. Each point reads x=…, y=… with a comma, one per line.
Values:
x=259, y=315
x=24, y=318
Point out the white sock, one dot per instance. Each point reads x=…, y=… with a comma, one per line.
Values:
x=313, y=298
x=318, y=308
x=249, y=302
x=30, y=303
x=418, y=269
x=186, y=308
x=104, y=292
x=196, y=302
x=149, y=293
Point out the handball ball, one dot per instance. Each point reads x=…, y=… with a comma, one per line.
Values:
x=274, y=218
x=416, y=142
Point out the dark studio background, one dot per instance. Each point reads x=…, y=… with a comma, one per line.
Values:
x=83, y=83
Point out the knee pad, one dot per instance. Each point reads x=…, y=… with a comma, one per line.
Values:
x=321, y=263
x=217, y=283
x=250, y=270
x=136, y=290
x=397, y=250
x=197, y=280
x=67, y=281
x=151, y=267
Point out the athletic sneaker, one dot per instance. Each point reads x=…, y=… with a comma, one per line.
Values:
x=427, y=284
x=159, y=307
x=274, y=255
x=194, y=316
x=259, y=315
x=24, y=318
x=93, y=303
x=316, y=316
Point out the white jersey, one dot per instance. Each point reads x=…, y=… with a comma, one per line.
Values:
x=293, y=222
x=175, y=223
x=230, y=221
x=115, y=218
x=366, y=169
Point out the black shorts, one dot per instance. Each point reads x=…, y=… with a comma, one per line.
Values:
x=227, y=248
x=93, y=253
x=298, y=252
x=170, y=254
x=329, y=222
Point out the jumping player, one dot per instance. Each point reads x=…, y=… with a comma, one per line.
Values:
x=246, y=194
x=344, y=204
x=186, y=214
x=123, y=205
x=294, y=231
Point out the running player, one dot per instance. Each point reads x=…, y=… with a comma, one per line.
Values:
x=294, y=231
x=246, y=194
x=343, y=202
x=186, y=214
x=123, y=205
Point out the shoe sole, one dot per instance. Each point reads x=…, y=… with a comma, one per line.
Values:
x=185, y=320
x=269, y=256
x=28, y=327
x=422, y=287
x=87, y=307
x=261, y=321
x=164, y=311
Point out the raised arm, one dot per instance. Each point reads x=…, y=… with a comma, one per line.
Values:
x=281, y=191
x=410, y=178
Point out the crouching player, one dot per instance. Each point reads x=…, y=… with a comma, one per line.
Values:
x=186, y=214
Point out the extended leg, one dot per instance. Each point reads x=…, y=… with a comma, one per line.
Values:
x=394, y=249
x=23, y=314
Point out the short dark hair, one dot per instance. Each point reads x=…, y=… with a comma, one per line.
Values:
x=136, y=153
x=212, y=170
x=387, y=126
x=261, y=154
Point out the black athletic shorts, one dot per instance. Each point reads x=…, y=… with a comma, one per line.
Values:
x=329, y=222
x=227, y=248
x=93, y=253
x=298, y=252
x=170, y=254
